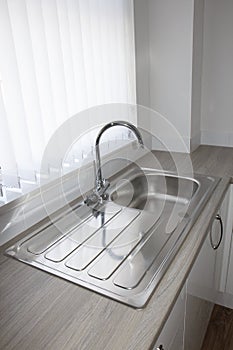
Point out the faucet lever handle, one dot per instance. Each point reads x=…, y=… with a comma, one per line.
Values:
x=92, y=199
x=102, y=188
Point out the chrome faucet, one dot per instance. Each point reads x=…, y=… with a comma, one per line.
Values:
x=101, y=185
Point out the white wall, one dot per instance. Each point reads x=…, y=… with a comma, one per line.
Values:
x=198, y=20
x=217, y=79
x=171, y=33
x=141, y=18
x=164, y=54
x=189, y=68
x=141, y=21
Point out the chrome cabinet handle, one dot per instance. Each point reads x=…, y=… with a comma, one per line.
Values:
x=160, y=347
x=215, y=246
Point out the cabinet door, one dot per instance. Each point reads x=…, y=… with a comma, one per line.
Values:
x=224, y=263
x=209, y=278
x=204, y=279
x=229, y=228
x=172, y=334
x=200, y=293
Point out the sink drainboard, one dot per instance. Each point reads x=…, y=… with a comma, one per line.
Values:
x=111, y=251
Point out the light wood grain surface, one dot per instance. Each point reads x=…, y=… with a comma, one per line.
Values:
x=41, y=311
x=219, y=334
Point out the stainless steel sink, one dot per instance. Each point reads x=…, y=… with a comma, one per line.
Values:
x=149, y=190
x=122, y=249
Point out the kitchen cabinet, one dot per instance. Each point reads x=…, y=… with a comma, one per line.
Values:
x=229, y=246
x=206, y=284
x=212, y=276
x=186, y=326
x=201, y=288
x=187, y=323
x=205, y=277
x=171, y=336
x=211, y=279
x=225, y=293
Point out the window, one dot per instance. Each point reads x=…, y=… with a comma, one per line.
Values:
x=58, y=57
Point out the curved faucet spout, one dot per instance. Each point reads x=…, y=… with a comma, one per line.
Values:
x=101, y=184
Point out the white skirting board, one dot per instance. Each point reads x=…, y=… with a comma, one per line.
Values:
x=213, y=138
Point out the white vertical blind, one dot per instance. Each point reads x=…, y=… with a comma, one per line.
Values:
x=59, y=57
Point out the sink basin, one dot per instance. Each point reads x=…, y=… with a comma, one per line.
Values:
x=123, y=249
x=167, y=196
x=150, y=190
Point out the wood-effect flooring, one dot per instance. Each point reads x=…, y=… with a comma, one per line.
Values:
x=219, y=334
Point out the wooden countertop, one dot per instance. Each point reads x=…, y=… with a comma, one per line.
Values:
x=41, y=311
